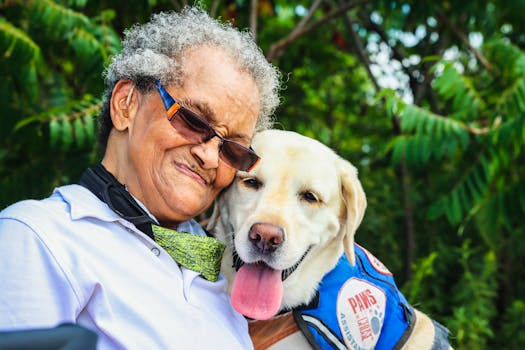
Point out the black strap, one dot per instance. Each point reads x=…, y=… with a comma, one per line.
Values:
x=303, y=324
x=107, y=188
x=410, y=316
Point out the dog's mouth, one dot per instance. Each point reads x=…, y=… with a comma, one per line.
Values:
x=237, y=263
x=257, y=289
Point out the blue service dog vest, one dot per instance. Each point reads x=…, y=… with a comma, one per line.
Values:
x=360, y=307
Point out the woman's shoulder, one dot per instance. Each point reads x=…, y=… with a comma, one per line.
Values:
x=36, y=209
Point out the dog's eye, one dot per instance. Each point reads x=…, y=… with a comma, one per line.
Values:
x=309, y=197
x=251, y=182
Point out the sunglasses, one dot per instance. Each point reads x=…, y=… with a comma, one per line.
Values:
x=196, y=129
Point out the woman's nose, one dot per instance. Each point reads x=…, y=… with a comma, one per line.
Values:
x=207, y=153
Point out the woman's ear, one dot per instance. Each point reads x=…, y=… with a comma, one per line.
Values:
x=123, y=104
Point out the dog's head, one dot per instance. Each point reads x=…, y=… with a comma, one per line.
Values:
x=286, y=222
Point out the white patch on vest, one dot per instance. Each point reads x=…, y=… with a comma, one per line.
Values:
x=361, y=313
x=376, y=263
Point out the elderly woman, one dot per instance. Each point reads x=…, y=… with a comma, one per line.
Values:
x=183, y=99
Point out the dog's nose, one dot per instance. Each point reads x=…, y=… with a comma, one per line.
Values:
x=266, y=237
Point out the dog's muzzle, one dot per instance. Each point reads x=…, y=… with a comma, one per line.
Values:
x=237, y=263
x=266, y=238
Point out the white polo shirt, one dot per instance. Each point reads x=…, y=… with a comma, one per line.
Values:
x=69, y=258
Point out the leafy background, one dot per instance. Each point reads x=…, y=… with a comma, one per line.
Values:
x=426, y=98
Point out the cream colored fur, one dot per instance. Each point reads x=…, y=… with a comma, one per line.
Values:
x=293, y=169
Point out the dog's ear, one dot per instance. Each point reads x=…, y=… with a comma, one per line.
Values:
x=355, y=202
x=214, y=218
x=216, y=214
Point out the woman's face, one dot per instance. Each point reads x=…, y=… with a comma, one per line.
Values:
x=174, y=178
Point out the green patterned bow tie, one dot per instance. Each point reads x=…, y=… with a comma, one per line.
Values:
x=198, y=253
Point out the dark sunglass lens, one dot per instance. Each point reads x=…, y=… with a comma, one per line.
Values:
x=237, y=156
x=192, y=126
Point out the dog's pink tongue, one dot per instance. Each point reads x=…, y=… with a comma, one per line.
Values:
x=257, y=291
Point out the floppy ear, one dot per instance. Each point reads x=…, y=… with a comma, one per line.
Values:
x=214, y=218
x=217, y=215
x=355, y=202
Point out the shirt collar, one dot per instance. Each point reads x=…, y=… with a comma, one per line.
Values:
x=83, y=203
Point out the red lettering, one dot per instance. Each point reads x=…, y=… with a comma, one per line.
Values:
x=373, y=300
x=363, y=300
x=360, y=302
x=364, y=328
x=353, y=304
x=364, y=297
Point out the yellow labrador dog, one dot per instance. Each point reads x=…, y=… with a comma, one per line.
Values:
x=291, y=260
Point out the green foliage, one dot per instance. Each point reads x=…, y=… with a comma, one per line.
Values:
x=474, y=298
x=459, y=91
x=71, y=124
x=443, y=173
x=512, y=331
x=423, y=269
x=480, y=132
x=22, y=54
x=48, y=93
x=493, y=150
x=15, y=43
x=428, y=137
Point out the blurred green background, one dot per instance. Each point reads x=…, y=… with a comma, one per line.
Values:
x=426, y=98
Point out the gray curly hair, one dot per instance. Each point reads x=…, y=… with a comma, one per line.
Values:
x=155, y=51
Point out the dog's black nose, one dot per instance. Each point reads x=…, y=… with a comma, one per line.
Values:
x=266, y=238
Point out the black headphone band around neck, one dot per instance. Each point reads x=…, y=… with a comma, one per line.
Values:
x=107, y=188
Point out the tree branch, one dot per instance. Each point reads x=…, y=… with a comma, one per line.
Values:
x=396, y=53
x=214, y=8
x=361, y=52
x=277, y=48
x=465, y=40
x=253, y=19
x=309, y=15
x=402, y=170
